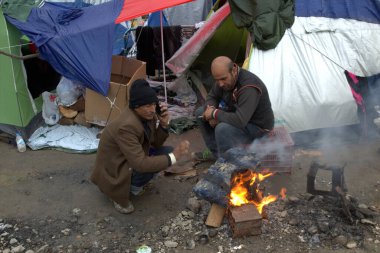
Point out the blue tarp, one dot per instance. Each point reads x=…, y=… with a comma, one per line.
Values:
x=362, y=10
x=77, y=42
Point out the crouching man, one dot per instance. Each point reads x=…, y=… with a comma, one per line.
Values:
x=237, y=110
x=130, y=151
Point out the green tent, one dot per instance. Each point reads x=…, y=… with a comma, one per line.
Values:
x=17, y=107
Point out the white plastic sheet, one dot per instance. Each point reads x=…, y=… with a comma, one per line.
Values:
x=76, y=138
x=305, y=72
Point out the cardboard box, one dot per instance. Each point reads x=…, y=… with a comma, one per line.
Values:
x=124, y=72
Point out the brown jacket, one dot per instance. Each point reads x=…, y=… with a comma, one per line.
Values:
x=123, y=146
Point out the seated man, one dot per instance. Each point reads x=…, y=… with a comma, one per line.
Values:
x=237, y=110
x=130, y=150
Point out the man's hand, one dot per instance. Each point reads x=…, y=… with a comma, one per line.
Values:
x=213, y=122
x=207, y=115
x=164, y=117
x=182, y=149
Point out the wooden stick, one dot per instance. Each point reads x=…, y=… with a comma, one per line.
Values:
x=215, y=216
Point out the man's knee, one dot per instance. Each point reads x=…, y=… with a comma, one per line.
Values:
x=223, y=129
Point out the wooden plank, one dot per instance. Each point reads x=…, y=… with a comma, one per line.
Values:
x=215, y=216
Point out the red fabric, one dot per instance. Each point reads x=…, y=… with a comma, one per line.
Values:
x=137, y=8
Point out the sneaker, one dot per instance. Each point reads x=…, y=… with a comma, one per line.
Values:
x=204, y=156
x=137, y=190
x=125, y=210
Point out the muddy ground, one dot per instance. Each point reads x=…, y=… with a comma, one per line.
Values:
x=47, y=204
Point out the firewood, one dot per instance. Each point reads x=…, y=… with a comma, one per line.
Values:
x=66, y=112
x=215, y=216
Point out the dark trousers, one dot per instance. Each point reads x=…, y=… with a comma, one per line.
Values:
x=225, y=136
x=140, y=179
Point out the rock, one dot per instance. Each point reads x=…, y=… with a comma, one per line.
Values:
x=367, y=222
x=364, y=206
x=194, y=205
x=165, y=231
x=171, y=244
x=307, y=196
x=29, y=251
x=323, y=226
x=293, y=199
x=293, y=221
x=6, y=251
x=13, y=241
x=190, y=245
x=203, y=239
x=212, y=232
x=283, y=214
x=18, y=249
x=66, y=231
x=312, y=230
x=42, y=249
x=220, y=249
x=340, y=240
x=351, y=245
x=76, y=211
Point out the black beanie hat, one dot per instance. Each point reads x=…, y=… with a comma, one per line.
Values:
x=141, y=93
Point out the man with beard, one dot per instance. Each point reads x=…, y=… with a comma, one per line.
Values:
x=237, y=110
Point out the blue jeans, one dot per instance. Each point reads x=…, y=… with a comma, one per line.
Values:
x=140, y=179
x=225, y=136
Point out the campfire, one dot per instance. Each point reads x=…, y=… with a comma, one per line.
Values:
x=247, y=202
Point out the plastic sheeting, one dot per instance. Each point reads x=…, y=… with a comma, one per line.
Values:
x=75, y=138
x=189, y=13
x=306, y=80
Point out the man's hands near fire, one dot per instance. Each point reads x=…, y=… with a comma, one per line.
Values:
x=182, y=149
x=164, y=116
x=207, y=115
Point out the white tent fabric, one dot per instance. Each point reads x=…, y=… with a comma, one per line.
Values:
x=305, y=72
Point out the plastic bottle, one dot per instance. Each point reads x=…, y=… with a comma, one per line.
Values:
x=21, y=146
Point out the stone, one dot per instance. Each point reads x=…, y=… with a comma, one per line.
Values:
x=283, y=214
x=340, y=240
x=323, y=226
x=165, y=231
x=6, y=251
x=312, y=230
x=42, y=249
x=29, y=251
x=190, y=245
x=76, y=211
x=351, y=245
x=364, y=206
x=293, y=221
x=194, y=205
x=18, y=249
x=367, y=222
x=212, y=232
x=13, y=241
x=293, y=199
x=171, y=244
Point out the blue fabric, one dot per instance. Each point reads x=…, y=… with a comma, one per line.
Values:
x=362, y=10
x=119, y=43
x=76, y=42
x=154, y=19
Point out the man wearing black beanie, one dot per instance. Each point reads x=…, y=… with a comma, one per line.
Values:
x=130, y=150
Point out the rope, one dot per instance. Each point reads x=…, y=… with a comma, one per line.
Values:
x=316, y=49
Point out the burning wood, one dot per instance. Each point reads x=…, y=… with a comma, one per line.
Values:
x=247, y=202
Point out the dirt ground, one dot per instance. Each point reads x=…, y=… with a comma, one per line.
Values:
x=47, y=204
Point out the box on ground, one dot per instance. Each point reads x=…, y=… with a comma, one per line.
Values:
x=124, y=72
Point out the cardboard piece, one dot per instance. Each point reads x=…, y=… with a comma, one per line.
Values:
x=124, y=72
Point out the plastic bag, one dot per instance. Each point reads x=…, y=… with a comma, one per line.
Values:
x=69, y=91
x=50, y=111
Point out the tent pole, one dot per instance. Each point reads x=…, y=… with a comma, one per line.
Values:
x=163, y=57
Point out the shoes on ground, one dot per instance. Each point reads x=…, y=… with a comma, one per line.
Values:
x=125, y=210
x=138, y=190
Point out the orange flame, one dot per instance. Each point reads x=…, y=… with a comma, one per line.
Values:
x=283, y=193
x=239, y=194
